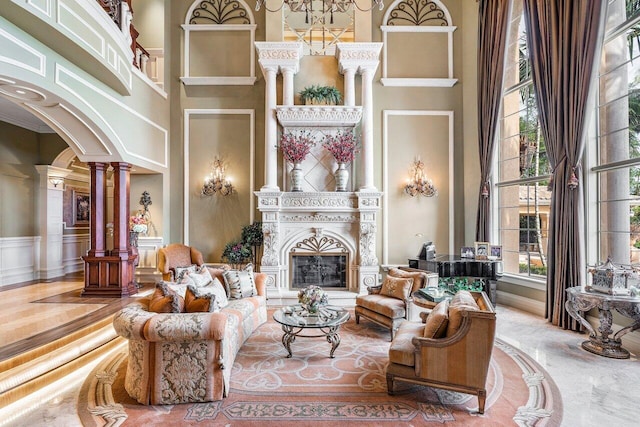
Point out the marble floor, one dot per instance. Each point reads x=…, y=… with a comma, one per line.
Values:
x=596, y=391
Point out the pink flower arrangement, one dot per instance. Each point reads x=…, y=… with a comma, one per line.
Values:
x=343, y=146
x=138, y=223
x=296, y=146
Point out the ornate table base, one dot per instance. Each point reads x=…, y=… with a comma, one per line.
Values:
x=291, y=332
x=580, y=301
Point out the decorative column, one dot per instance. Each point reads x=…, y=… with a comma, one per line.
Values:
x=363, y=57
x=50, y=195
x=349, y=86
x=112, y=274
x=272, y=57
x=287, y=85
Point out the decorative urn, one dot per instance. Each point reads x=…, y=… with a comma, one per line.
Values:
x=609, y=278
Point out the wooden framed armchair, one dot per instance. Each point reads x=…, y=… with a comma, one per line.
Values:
x=390, y=309
x=177, y=255
x=450, y=350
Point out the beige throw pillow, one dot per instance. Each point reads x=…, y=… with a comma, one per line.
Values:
x=240, y=283
x=396, y=287
x=437, y=321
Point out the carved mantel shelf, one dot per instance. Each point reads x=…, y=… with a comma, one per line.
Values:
x=319, y=116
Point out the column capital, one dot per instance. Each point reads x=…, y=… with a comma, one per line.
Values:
x=359, y=56
x=278, y=55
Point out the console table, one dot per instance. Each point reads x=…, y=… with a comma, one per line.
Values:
x=580, y=301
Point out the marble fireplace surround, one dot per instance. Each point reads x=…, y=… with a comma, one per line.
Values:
x=314, y=218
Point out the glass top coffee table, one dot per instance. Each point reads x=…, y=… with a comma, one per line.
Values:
x=295, y=320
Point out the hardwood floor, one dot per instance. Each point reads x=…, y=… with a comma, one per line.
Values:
x=38, y=313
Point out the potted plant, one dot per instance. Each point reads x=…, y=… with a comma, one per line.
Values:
x=327, y=95
x=295, y=146
x=236, y=253
x=252, y=236
x=343, y=146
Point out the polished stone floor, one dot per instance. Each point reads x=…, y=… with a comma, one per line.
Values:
x=596, y=391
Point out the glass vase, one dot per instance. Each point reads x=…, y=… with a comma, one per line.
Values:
x=342, y=177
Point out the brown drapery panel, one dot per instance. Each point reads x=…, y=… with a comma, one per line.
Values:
x=493, y=22
x=563, y=41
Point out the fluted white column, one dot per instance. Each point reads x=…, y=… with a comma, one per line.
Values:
x=367, y=129
x=349, y=87
x=270, y=131
x=287, y=85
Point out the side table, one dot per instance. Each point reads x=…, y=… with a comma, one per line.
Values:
x=580, y=301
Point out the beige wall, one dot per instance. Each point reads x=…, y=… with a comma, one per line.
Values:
x=148, y=19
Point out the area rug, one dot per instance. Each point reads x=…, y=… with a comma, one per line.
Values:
x=311, y=389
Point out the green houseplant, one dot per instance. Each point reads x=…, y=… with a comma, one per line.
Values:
x=328, y=95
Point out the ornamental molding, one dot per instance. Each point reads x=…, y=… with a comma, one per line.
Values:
x=318, y=218
x=319, y=116
x=319, y=245
x=279, y=54
x=220, y=12
x=318, y=200
x=418, y=13
x=360, y=56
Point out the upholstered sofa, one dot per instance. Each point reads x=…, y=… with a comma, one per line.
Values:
x=187, y=357
x=451, y=348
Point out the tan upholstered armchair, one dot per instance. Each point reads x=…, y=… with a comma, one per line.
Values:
x=177, y=255
x=450, y=350
x=390, y=309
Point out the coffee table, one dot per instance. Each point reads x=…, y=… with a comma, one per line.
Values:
x=295, y=320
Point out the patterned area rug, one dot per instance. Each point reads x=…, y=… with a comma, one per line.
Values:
x=311, y=389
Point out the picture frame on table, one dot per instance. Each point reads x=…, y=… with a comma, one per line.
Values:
x=482, y=250
x=467, y=252
x=495, y=252
x=81, y=208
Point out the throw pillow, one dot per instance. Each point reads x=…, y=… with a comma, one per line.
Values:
x=396, y=287
x=201, y=277
x=181, y=271
x=240, y=283
x=437, y=321
x=196, y=301
x=419, y=277
x=461, y=301
x=165, y=300
x=216, y=288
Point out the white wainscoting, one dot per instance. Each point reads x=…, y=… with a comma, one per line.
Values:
x=19, y=259
x=74, y=247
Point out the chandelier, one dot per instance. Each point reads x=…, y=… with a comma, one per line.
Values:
x=307, y=5
x=216, y=181
x=419, y=184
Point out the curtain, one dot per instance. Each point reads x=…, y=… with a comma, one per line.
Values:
x=493, y=16
x=564, y=45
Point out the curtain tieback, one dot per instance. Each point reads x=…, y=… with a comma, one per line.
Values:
x=573, y=182
x=485, y=190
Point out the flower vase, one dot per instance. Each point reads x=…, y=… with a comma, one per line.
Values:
x=296, y=177
x=342, y=177
x=313, y=307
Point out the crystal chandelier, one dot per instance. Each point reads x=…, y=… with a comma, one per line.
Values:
x=307, y=5
x=216, y=181
x=419, y=184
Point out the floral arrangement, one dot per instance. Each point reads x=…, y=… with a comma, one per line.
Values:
x=312, y=298
x=343, y=146
x=237, y=252
x=138, y=223
x=296, y=146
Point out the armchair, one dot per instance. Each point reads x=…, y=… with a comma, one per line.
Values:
x=390, y=309
x=177, y=255
x=452, y=351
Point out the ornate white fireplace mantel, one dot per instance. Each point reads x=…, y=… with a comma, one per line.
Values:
x=347, y=219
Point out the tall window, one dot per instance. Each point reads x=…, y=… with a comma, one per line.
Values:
x=618, y=149
x=523, y=169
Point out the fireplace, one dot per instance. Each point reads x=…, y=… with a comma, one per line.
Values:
x=320, y=269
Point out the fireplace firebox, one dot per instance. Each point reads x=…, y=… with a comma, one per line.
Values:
x=326, y=270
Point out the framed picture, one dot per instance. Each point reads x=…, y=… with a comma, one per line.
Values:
x=482, y=250
x=467, y=252
x=495, y=251
x=81, y=208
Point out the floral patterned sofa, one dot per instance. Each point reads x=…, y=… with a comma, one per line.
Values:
x=187, y=357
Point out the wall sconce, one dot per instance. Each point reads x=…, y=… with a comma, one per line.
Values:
x=418, y=182
x=217, y=182
x=56, y=180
